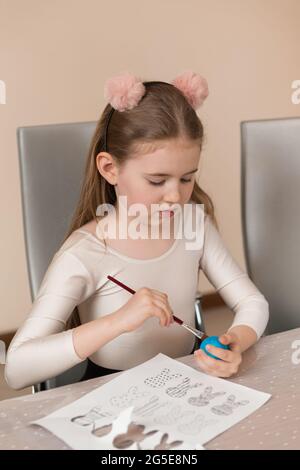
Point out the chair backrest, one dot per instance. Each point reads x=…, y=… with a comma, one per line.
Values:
x=270, y=178
x=52, y=160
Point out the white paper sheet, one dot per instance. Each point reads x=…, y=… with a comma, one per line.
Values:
x=160, y=404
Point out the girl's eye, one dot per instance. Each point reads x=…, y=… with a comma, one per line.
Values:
x=162, y=182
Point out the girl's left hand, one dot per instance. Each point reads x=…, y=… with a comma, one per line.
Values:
x=230, y=359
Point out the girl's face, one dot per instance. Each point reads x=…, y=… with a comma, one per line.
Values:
x=164, y=177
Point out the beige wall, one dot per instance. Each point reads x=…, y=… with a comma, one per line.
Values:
x=56, y=54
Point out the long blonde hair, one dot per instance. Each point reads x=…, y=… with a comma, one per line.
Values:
x=163, y=113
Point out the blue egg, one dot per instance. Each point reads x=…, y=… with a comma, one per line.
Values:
x=214, y=341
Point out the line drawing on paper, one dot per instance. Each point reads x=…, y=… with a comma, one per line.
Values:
x=197, y=424
x=181, y=389
x=94, y=414
x=228, y=406
x=173, y=415
x=161, y=379
x=128, y=398
x=204, y=398
x=150, y=406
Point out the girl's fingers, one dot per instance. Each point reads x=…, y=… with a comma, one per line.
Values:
x=157, y=312
x=210, y=362
x=158, y=292
x=213, y=366
x=226, y=339
x=231, y=341
x=163, y=297
x=163, y=313
x=225, y=355
x=160, y=301
x=205, y=365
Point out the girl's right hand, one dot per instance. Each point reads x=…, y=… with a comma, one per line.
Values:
x=145, y=303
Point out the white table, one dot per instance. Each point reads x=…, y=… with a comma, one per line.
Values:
x=267, y=367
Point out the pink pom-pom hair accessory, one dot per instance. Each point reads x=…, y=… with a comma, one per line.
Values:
x=124, y=91
x=193, y=86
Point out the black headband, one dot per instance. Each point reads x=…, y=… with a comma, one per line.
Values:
x=106, y=129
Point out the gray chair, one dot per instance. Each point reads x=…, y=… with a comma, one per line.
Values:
x=52, y=160
x=270, y=184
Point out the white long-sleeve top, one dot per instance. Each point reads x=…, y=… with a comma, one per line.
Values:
x=77, y=276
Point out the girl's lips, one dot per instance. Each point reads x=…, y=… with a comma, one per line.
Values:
x=167, y=213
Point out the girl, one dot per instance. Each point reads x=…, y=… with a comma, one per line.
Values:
x=145, y=149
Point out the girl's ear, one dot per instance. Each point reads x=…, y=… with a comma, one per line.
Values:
x=107, y=167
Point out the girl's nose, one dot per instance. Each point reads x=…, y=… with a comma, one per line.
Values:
x=172, y=196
